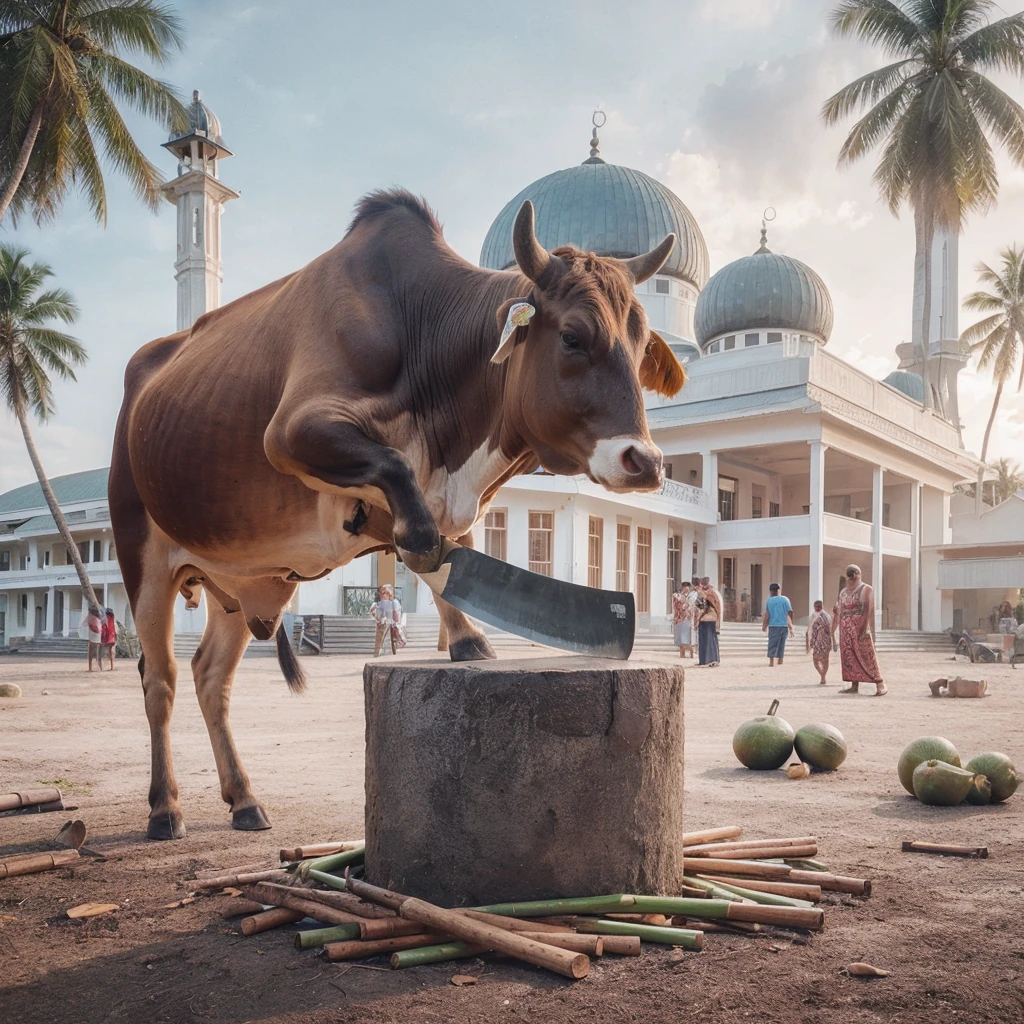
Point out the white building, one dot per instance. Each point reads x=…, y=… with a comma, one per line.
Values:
x=784, y=462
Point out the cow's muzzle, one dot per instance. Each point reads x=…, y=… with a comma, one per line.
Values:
x=626, y=464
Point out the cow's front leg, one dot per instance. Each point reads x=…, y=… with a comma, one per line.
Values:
x=340, y=454
x=456, y=634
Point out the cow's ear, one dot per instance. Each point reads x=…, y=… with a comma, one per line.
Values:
x=660, y=371
x=513, y=316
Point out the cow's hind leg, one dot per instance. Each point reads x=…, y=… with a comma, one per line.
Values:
x=213, y=670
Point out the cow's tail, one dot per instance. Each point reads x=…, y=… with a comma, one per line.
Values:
x=290, y=667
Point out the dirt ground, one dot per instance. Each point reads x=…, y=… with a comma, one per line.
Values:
x=948, y=929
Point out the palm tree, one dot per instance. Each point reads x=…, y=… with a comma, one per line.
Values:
x=29, y=352
x=62, y=75
x=1009, y=480
x=932, y=109
x=999, y=338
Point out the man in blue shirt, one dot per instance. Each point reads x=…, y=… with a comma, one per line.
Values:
x=777, y=622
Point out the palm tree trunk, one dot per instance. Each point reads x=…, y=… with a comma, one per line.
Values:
x=984, y=443
x=924, y=229
x=58, y=516
x=24, y=155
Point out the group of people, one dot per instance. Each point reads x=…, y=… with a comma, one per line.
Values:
x=696, y=620
x=102, y=636
x=697, y=608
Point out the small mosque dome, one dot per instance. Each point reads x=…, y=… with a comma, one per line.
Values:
x=201, y=121
x=764, y=290
x=607, y=209
x=908, y=383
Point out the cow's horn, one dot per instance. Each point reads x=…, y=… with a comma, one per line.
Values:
x=649, y=263
x=532, y=257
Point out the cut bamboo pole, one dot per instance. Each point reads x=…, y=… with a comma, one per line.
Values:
x=798, y=890
x=438, y=954
x=711, y=835
x=373, y=893
x=791, y=917
x=622, y=945
x=712, y=890
x=246, y=878
x=747, y=868
x=310, y=908
x=805, y=864
x=548, y=908
x=729, y=927
x=561, y=961
x=320, y=849
x=750, y=844
x=32, y=863
x=685, y=937
x=768, y=899
x=28, y=798
x=360, y=950
x=592, y=945
x=346, y=901
x=333, y=861
x=834, y=883
x=319, y=936
x=239, y=869
x=953, y=851
x=386, y=928
x=514, y=924
x=754, y=852
x=276, y=917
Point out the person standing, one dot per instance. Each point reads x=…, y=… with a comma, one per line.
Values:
x=94, y=629
x=682, y=620
x=854, y=619
x=710, y=614
x=819, y=640
x=108, y=637
x=386, y=612
x=777, y=622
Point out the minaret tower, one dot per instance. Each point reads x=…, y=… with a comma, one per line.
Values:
x=200, y=197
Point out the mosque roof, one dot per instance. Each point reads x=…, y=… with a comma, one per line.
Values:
x=201, y=120
x=607, y=209
x=910, y=384
x=90, y=485
x=764, y=290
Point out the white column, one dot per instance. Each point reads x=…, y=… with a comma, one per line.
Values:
x=915, y=554
x=689, y=536
x=69, y=628
x=816, y=542
x=877, y=483
x=659, y=569
x=49, y=611
x=709, y=475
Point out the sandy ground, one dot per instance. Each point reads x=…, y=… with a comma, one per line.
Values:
x=949, y=930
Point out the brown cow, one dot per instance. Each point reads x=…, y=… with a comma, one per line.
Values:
x=358, y=404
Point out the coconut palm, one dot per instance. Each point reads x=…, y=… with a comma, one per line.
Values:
x=998, y=339
x=30, y=351
x=63, y=74
x=932, y=110
x=1009, y=480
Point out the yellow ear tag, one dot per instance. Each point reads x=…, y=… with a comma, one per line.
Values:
x=519, y=314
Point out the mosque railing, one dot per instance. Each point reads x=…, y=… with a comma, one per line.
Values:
x=685, y=494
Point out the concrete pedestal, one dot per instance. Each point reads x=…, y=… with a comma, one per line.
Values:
x=525, y=779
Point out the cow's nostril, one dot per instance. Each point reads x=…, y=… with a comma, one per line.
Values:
x=631, y=461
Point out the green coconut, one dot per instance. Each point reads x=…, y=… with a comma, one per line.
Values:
x=980, y=791
x=927, y=748
x=821, y=746
x=940, y=784
x=764, y=743
x=998, y=768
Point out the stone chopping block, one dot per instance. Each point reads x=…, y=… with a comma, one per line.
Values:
x=523, y=779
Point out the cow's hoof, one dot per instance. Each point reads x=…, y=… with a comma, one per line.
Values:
x=421, y=563
x=170, y=825
x=474, y=647
x=250, y=819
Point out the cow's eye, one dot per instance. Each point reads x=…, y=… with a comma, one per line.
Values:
x=570, y=341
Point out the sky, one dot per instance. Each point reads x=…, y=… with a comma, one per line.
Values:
x=466, y=103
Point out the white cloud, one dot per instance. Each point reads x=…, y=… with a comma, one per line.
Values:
x=742, y=14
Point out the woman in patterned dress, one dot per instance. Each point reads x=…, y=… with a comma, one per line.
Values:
x=819, y=640
x=682, y=620
x=853, y=617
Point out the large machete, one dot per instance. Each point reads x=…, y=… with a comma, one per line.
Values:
x=601, y=623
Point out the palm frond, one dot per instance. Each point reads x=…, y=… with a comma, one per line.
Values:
x=988, y=347
x=55, y=304
x=982, y=329
x=57, y=350
x=148, y=95
x=998, y=46
x=137, y=26
x=875, y=124
x=998, y=112
x=877, y=22
x=867, y=89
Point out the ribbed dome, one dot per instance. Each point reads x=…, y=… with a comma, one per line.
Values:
x=764, y=290
x=200, y=119
x=607, y=209
x=910, y=384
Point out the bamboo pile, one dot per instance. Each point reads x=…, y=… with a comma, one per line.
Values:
x=732, y=885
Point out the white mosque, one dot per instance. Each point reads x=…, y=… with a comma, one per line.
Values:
x=783, y=462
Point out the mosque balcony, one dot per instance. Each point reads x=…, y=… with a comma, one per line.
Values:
x=847, y=532
x=58, y=576
x=774, y=532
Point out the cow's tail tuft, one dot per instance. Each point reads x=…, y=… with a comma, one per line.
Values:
x=290, y=667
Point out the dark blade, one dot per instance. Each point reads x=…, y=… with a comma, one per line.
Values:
x=601, y=623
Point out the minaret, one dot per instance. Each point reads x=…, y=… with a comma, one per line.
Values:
x=200, y=197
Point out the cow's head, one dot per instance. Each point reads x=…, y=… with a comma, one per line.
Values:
x=576, y=370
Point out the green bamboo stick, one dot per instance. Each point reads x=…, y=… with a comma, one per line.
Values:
x=333, y=861
x=318, y=936
x=688, y=938
x=333, y=881
x=807, y=865
x=686, y=907
x=434, y=954
x=551, y=908
x=713, y=889
x=768, y=899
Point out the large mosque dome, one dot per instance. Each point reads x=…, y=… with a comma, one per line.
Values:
x=764, y=291
x=607, y=209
